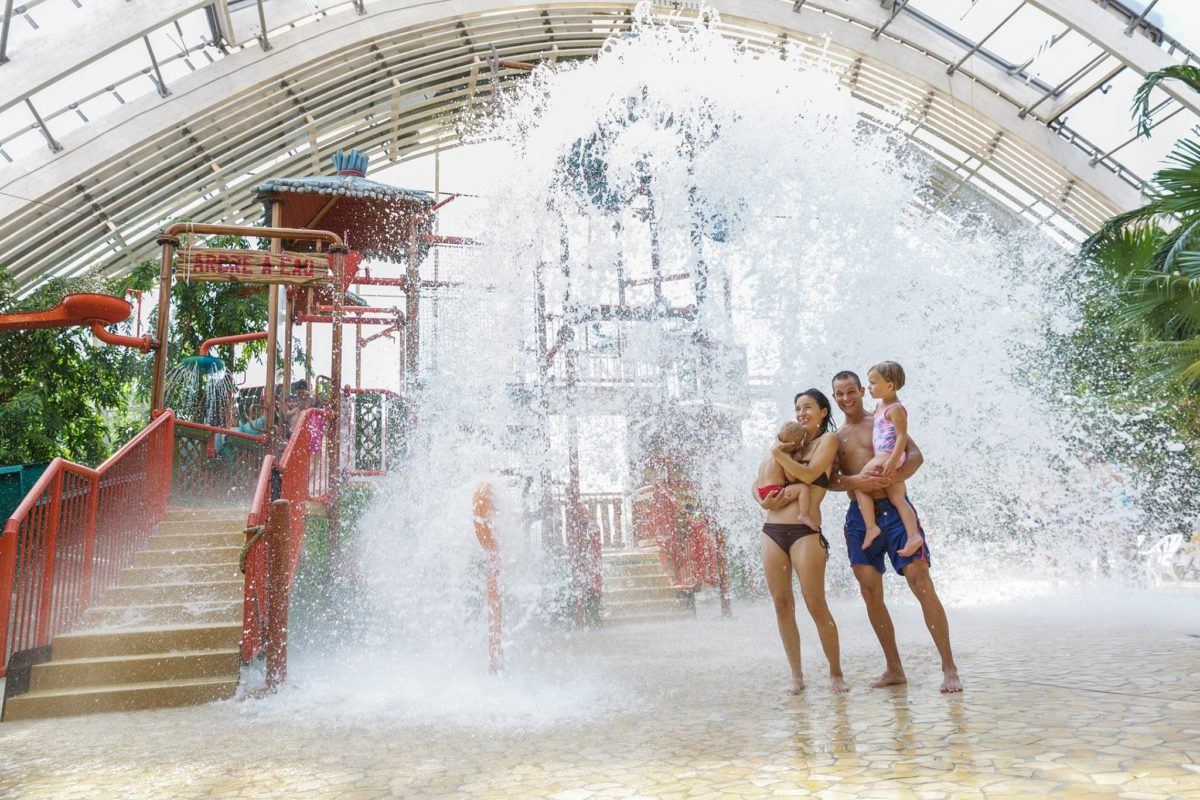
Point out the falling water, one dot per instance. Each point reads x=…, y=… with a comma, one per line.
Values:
x=821, y=251
x=200, y=389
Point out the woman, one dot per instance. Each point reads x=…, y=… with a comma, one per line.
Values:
x=788, y=546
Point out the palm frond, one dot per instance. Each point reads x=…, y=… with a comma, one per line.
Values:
x=1141, y=99
x=1127, y=250
x=1113, y=228
x=1176, y=242
x=1173, y=363
x=1163, y=306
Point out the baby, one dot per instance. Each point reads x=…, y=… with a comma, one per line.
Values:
x=771, y=477
x=889, y=438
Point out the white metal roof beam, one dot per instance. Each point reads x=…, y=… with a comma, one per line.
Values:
x=1104, y=28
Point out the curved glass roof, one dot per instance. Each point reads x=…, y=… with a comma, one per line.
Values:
x=116, y=118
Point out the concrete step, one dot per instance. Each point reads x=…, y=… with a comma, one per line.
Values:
x=626, y=570
x=187, y=541
x=637, y=619
x=173, y=593
x=645, y=581
x=206, y=513
x=222, y=611
x=632, y=594
x=629, y=608
x=640, y=556
x=207, y=555
x=126, y=697
x=183, y=527
x=141, y=641
x=75, y=673
x=180, y=573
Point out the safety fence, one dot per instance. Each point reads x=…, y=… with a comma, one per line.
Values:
x=217, y=465
x=379, y=422
x=74, y=533
x=691, y=546
x=275, y=536
x=608, y=510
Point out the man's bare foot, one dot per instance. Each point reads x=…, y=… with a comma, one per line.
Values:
x=796, y=686
x=950, y=681
x=838, y=684
x=912, y=545
x=872, y=534
x=890, y=677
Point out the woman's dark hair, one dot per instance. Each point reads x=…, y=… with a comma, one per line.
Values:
x=822, y=402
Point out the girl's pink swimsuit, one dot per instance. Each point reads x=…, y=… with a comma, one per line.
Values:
x=883, y=434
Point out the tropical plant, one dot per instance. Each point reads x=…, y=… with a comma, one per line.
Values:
x=1153, y=253
x=57, y=390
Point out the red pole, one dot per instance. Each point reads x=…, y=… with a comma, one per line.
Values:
x=49, y=550
x=8, y=573
x=485, y=532
x=89, y=545
x=277, y=593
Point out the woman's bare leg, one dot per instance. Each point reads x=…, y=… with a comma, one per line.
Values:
x=778, y=569
x=897, y=494
x=808, y=559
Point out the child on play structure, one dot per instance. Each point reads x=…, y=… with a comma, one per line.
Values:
x=889, y=437
x=771, y=477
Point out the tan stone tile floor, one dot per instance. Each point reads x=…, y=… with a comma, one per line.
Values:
x=1093, y=697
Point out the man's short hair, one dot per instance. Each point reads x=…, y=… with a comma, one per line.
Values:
x=890, y=371
x=300, y=385
x=847, y=375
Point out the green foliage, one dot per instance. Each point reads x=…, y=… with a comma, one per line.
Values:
x=55, y=387
x=1152, y=256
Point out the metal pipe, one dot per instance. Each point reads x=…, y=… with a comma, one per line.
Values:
x=1079, y=73
x=8, y=11
x=162, y=84
x=950, y=69
x=1102, y=156
x=262, y=23
x=1133, y=23
x=168, y=242
x=143, y=343
x=287, y=344
x=897, y=7
x=50, y=141
x=216, y=341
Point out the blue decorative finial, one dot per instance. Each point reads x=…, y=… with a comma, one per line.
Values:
x=350, y=163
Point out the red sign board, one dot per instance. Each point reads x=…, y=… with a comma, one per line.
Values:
x=252, y=266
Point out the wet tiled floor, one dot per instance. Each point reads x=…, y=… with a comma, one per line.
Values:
x=1094, y=697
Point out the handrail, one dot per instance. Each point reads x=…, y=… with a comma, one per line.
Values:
x=234, y=432
x=698, y=555
x=301, y=475
x=74, y=532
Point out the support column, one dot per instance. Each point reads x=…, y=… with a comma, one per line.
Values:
x=158, y=384
x=338, y=255
x=412, y=302
x=272, y=336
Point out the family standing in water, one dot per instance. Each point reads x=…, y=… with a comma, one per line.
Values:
x=871, y=457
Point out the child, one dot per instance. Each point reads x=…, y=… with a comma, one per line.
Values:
x=771, y=477
x=890, y=437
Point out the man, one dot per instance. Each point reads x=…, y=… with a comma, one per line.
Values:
x=854, y=451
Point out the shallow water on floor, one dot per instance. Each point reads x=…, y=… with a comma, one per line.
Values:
x=1086, y=696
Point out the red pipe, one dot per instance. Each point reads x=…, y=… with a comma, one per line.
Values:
x=143, y=342
x=208, y=344
x=485, y=532
x=75, y=309
x=357, y=320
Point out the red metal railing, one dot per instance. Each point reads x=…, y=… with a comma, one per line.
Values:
x=691, y=547
x=74, y=532
x=303, y=475
x=215, y=464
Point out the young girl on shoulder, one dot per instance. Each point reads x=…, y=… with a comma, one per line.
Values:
x=889, y=437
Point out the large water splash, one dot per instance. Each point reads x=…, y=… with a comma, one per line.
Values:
x=808, y=247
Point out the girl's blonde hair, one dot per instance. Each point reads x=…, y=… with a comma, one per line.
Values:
x=890, y=371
